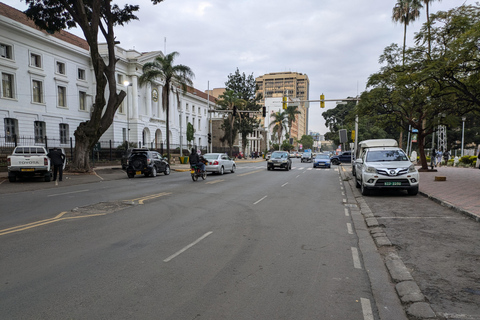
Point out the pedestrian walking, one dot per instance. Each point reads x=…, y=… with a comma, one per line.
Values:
x=446, y=156
x=433, y=158
x=57, y=158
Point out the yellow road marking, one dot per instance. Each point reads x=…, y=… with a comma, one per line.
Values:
x=152, y=196
x=244, y=174
x=214, y=181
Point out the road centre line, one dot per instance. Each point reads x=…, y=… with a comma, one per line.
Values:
x=188, y=247
x=346, y=212
x=62, y=194
x=244, y=174
x=152, y=196
x=356, y=258
x=259, y=200
x=448, y=217
x=283, y=185
x=366, y=309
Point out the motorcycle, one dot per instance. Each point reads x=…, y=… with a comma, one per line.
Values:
x=196, y=172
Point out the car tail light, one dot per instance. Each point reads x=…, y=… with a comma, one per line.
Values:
x=215, y=163
x=45, y=161
x=149, y=161
x=9, y=162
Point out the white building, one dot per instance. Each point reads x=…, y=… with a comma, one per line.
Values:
x=48, y=87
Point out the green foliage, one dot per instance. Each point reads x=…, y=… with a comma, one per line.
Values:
x=190, y=132
x=469, y=160
x=286, y=146
x=306, y=141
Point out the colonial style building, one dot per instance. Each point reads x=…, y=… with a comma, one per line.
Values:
x=48, y=86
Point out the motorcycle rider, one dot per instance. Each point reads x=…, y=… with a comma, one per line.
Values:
x=197, y=159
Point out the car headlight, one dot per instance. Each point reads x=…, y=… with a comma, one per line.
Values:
x=412, y=168
x=370, y=170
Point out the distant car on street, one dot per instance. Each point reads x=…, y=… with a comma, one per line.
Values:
x=219, y=163
x=344, y=157
x=306, y=157
x=279, y=159
x=322, y=160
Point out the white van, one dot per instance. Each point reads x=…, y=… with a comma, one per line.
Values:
x=380, y=164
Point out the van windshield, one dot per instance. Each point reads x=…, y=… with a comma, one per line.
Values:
x=386, y=155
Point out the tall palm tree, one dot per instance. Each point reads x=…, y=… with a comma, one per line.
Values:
x=427, y=7
x=163, y=69
x=230, y=100
x=279, y=124
x=406, y=11
x=291, y=113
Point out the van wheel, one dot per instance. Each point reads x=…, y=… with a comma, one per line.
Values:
x=357, y=184
x=365, y=191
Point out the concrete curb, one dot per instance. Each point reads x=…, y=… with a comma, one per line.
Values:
x=451, y=206
x=406, y=288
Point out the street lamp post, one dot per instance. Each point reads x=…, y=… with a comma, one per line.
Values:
x=463, y=131
x=127, y=84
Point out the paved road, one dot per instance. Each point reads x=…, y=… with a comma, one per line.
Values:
x=255, y=244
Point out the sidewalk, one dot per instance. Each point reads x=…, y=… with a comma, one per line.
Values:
x=460, y=191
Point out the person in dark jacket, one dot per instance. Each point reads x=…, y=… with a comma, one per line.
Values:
x=57, y=158
x=197, y=159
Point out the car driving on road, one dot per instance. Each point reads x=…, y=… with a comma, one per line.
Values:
x=148, y=163
x=344, y=157
x=219, y=163
x=280, y=160
x=322, y=160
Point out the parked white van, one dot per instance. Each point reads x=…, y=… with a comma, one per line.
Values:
x=380, y=164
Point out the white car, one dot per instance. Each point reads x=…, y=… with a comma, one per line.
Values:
x=385, y=168
x=219, y=163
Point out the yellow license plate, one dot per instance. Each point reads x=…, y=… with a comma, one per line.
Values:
x=28, y=169
x=138, y=172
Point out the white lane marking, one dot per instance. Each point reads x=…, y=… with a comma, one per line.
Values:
x=344, y=200
x=259, y=200
x=457, y=316
x=367, y=309
x=356, y=258
x=310, y=169
x=283, y=185
x=346, y=212
x=188, y=247
x=349, y=228
x=62, y=194
x=297, y=176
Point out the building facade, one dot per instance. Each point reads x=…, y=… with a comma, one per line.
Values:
x=48, y=88
x=296, y=86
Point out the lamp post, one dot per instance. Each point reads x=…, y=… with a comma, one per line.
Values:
x=127, y=84
x=463, y=131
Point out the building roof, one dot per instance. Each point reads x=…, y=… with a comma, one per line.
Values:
x=22, y=18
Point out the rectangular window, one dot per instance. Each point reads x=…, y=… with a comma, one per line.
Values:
x=39, y=131
x=119, y=79
x=35, y=60
x=186, y=107
x=37, y=93
x=60, y=67
x=121, y=109
x=63, y=133
x=7, y=85
x=10, y=129
x=6, y=51
x=81, y=74
x=199, y=128
x=82, y=100
x=62, y=96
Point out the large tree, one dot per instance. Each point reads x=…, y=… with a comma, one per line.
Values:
x=178, y=76
x=245, y=88
x=405, y=12
x=279, y=124
x=291, y=113
x=93, y=17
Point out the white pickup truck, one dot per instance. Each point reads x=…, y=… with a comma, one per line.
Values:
x=29, y=161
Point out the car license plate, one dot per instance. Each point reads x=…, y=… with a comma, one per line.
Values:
x=29, y=169
x=392, y=183
x=276, y=164
x=138, y=172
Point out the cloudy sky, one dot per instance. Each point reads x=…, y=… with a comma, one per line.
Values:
x=337, y=43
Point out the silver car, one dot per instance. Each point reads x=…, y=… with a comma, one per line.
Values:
x=219, y=163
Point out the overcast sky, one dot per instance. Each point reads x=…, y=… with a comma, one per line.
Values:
x=337, y=43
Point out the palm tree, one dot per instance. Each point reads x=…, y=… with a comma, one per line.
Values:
x=406, y=11
x=291, y=113
x=279, y=124
x=230, y=100
x=427, y=7
x=163, y=69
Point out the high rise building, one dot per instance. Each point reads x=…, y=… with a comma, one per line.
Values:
x=292, y=84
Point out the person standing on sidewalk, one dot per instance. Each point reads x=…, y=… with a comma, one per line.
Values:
x=57, y=159
x=433, y=158
x=446, y=156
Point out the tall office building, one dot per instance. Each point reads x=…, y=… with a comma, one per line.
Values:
x=293, y=84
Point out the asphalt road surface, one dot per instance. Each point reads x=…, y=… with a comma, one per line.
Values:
x=255, y=244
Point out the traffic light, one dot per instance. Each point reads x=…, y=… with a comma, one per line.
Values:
x=234, y=111
x=284, y=102
x=209, y=138
x=322, y=102
x=264, y=111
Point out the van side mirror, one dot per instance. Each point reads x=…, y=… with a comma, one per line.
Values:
x=359, y=161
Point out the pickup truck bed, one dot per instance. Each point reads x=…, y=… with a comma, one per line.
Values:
x=29, y=161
